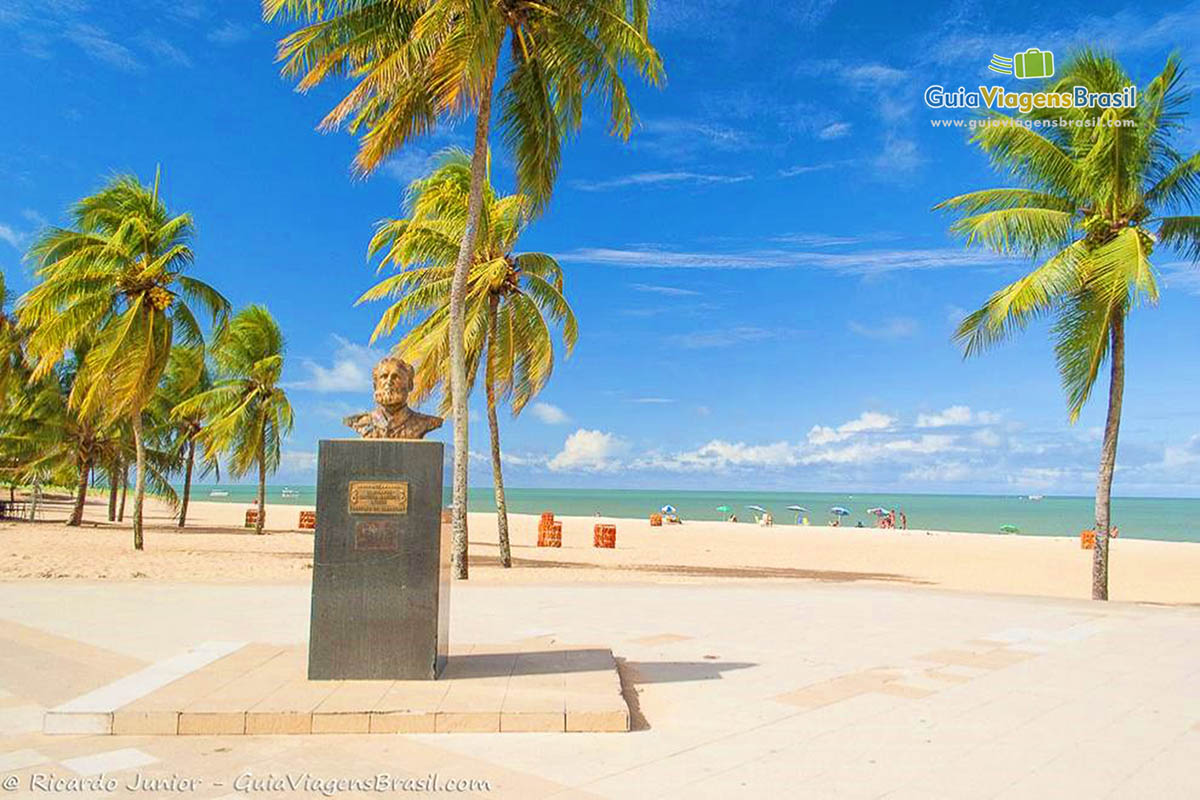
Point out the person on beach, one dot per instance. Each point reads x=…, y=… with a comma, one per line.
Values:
x=903, y=520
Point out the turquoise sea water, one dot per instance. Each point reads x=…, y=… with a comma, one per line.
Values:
x=1139, y=518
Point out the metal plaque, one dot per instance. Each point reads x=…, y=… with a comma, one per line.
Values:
x=378, y=497
x=382, y=534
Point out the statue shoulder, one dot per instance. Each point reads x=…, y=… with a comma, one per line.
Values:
x=358, y=421
x=432, y=420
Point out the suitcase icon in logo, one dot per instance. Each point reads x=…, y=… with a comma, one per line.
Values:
x=1033, y=63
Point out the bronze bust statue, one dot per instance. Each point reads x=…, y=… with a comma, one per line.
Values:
x=392, y=418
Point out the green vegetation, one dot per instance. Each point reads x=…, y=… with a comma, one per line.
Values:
x=105, y=363
x=418, y=63
x=248, y=413
x=1092, y=201
x=512, y=299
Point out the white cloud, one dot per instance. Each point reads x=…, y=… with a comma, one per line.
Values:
x=658, y=179
x=863, y=451
x=956, y=415
x=721, y=455
x=589, y=451
x=229, y=33
x=726, y=337
x=949, y=472
x=866, y=422
x=12, y=236
x=164, y=49
x=804, y=169
x=350, y=370
x=301, y=461
x=409, y=164
x=891, y=328
x=652, y=401
x=669, y=291
x=865, y=262
x=834, y=130
x=899, y=155
x=548, y=413
x=874, y=76
x=96, y=43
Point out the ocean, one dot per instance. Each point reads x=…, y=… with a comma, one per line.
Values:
x=1167, y=519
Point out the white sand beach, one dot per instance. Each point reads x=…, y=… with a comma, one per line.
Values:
x=215, y=548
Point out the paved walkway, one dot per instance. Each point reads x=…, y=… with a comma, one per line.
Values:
x=809, y=690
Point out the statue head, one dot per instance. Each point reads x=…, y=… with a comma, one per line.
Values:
x=393, y=379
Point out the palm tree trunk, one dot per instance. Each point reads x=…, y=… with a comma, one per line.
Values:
x=262, y=481
x=187, y=482
x=124, y=491
x=1108, y=458
x=112, y=493
x=81, y=489
x=494, y=429
x=139, y=485
x=458, y=358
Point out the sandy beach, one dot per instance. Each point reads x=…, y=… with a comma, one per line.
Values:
x=215, y=548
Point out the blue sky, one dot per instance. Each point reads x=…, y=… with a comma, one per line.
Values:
x=765, y=298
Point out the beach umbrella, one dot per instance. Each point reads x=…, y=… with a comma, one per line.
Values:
x=798, y=509
x=877, y=511
x=1009, y=529
x=759, y=509
x=724, y=509
x=668, y=509
x=841, y=512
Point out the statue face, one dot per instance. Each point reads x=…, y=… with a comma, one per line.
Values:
x=391, y=386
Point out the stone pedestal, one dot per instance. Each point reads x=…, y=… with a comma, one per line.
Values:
x=381, y=562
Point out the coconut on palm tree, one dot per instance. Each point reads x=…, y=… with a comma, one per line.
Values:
x=513, y=298
x=417, y=63
x=247, y=411
x=116, y=278
x=1092, y=202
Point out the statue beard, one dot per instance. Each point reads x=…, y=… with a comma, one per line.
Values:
x=391, y=399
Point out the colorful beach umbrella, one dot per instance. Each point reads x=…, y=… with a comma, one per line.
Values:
x=840, y=511
x=798, y=509
x=668, y=509
x=877, y=511
x=759, y=509
x=724, y=509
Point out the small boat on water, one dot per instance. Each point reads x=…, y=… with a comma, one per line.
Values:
x=218, y=493
x=286, y=492
x=1035, y=497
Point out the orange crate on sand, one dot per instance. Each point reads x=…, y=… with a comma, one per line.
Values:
x=551, y=537
x=308, y=520
x=1087, y=539
x=604, y=536
x=656, y=520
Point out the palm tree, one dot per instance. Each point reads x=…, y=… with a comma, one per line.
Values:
x=510, y=297
x=248, y=412
x=186, y=376
x=48, y=439
x=1092, y=201
x=417, y=62
x=117, y=278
